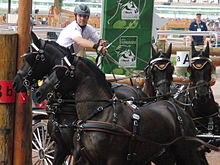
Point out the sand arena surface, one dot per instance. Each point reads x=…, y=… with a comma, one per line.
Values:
x=214, y=157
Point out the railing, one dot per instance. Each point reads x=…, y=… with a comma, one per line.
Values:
x=212, y=35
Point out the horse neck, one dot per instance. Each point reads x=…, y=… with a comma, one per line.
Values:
x=148, y=88
x=91, y=91
x=54, y=55
x=203, y=108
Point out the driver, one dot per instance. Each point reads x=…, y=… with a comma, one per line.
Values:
x=79, y=35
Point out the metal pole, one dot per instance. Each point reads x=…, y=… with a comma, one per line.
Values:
x=23, y=114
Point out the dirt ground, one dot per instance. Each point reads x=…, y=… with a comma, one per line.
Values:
x=214, y=157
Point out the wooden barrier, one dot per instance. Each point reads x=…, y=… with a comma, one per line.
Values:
x=140, y=81
x=177, y=24
x=8, y=47
x=213, y=51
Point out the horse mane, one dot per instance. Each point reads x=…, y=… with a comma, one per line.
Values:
x=97, y=72
x=62, y=49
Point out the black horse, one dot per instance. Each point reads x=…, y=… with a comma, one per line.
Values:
x=110, y=131
x=38, y=63
x=159, y=85
x=204, y=108
x=159, y=74
x=198, y=97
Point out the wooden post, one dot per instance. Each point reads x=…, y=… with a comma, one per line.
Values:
x=8, y=47
x=23, y=113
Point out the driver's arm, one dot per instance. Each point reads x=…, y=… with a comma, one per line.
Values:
x=89, y=44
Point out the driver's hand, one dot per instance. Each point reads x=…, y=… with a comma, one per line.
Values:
x=102, y=49
x=102, y=42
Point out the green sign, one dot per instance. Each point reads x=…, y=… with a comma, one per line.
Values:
x=127, y=26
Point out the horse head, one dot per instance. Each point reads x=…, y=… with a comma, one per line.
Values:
x=159, y=71
x=38, y=62
x=65, y=78
x=200, y=70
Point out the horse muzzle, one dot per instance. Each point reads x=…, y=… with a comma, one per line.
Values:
x=51, y=83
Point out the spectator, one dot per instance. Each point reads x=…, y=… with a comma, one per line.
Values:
x=216, y=26
x=4, y=18
x=198, y=25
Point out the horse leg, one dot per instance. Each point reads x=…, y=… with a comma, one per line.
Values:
x=167, y=158
x=203, y=159
x=61, y=151
x=59, y=155
x=186, y=153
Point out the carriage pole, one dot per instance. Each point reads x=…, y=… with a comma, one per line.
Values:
x=23, y=113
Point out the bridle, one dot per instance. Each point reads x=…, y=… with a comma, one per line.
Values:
x=69, y=72
x=154, y=63
x=200, y=67
x=28, y=79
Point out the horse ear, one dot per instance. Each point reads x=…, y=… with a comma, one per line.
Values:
x=154, y=52
x=35, y=39
x=194, y=52
x=207, y=50
x=169, y=51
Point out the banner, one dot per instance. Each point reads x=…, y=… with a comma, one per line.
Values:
x=7, y=93
x=127, y=26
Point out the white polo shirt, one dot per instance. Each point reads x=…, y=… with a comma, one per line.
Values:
x=67, y=35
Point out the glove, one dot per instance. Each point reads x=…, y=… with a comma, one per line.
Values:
x=100, y=49
x=102, y=42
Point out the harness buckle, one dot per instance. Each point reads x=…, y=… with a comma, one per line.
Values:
x=78, y=137
x=100, y=109
x=42, y=57
x=41, y=51
x=130, y=156
x=71, y=73
x=26, y=83
x=180, y=118
x=56, y=85
x=59, y=101
x=135, y=116
x=135, y=123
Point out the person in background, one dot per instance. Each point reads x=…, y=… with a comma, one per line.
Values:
x=198, y=25
x=79, y=35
